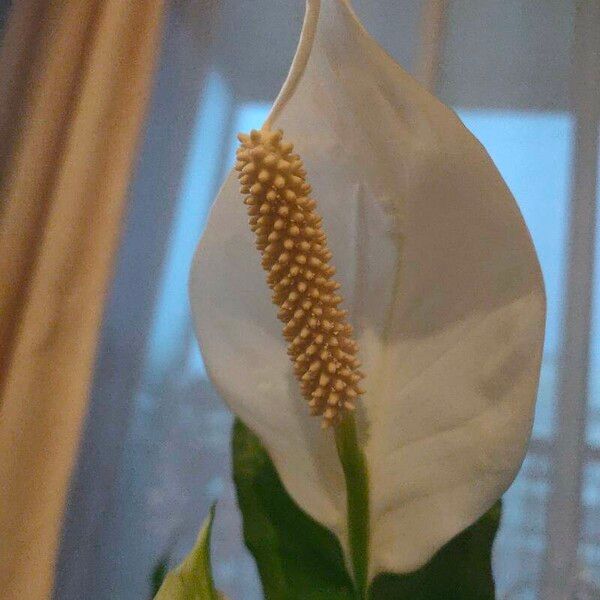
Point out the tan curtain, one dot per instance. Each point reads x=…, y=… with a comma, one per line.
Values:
x=74, y=81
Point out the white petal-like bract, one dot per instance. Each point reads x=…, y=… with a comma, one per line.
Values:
x=441, y=281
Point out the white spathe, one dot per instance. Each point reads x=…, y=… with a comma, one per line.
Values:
x=441, y=280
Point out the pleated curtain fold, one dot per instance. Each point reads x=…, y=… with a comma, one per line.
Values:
x=74, y=83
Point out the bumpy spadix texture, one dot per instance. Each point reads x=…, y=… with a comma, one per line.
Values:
x=442, y=285
x=295, y=254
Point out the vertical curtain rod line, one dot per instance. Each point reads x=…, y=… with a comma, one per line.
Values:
x=432, y=32
x=564, y=514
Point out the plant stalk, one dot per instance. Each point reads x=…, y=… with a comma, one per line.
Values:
x=354, y=466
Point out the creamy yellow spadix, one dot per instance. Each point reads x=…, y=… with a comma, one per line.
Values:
x=293, y=246
x=441, y=284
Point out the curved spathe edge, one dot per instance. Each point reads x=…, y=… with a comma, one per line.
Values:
x=300, y=60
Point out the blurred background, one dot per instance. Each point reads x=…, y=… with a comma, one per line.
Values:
x=523, y=76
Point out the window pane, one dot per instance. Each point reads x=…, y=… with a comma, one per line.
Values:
x=589, y=555
x=590, y=549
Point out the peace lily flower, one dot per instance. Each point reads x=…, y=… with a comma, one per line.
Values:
x=442, y=287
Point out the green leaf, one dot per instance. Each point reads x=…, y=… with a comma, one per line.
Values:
x=297, y=558
x=192, y=579
x=158, y=574
x=461, y=570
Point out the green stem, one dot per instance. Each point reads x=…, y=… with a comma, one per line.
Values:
x=357, y=492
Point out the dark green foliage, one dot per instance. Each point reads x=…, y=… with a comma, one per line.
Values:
x=161, y=568
x=298, y=559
